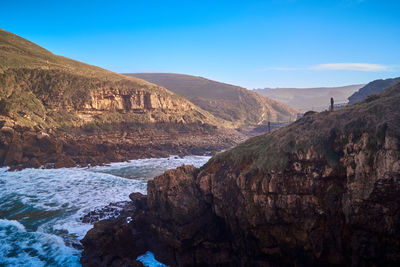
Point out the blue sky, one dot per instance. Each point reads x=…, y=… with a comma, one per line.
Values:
x=276, y=43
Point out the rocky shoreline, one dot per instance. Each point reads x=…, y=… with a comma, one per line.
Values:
x=324, y=191
x=24, y=147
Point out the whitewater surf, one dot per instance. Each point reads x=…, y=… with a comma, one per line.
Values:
x=41, y=210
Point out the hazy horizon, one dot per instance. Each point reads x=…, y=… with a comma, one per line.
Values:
x=257, y=44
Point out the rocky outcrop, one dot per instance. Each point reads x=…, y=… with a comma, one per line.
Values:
x=57, y=89
x=22, y=147
x=58, y=112
x=73, y=120
x=322, y=191
x=133, y=100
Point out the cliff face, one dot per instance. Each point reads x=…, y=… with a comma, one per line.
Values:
x=324, y=190
x=59, y=90
x=128, y=100
x=96, y=115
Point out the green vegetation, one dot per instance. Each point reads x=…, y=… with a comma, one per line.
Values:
x=4, y=107
x=326, y=132
x=338, y=190
x=371, y=98
x=353, y=165
x=381, y=133
x=19, y=53
x=370, y=160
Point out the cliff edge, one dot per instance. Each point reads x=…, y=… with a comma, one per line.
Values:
x=324, y=190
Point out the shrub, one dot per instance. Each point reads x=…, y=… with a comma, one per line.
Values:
x=370, y=160
x=371, y=98
x=4, y=107
x=91, y=127
x=337, y=189
x=353, y=165
x=381, y=133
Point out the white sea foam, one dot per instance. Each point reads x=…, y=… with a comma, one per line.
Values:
x=144, y=169
x=21, y=248
x=73, y=192
x=40, y=209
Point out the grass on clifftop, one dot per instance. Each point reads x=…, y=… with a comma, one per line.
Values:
x=327, y=132
x=17, y=52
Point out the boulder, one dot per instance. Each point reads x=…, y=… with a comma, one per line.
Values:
x=14, y=154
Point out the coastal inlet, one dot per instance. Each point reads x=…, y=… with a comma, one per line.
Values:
x=42, y=211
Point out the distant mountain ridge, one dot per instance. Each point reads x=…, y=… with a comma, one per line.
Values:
x=372, y=88
x=310, y=98
x=228, y=102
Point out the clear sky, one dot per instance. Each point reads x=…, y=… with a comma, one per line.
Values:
x=275, y=43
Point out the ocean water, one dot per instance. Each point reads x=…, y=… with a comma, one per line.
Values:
x=41, y=209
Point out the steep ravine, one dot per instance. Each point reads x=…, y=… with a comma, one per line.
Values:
x=324, y=191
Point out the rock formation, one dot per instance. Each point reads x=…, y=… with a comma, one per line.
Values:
x=323, y=191
x=58, y=112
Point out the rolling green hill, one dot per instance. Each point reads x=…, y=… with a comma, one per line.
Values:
x=232, y=103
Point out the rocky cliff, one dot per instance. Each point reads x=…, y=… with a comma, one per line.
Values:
x=90, y=115
x=323, y=191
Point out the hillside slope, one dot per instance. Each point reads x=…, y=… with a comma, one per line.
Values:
x=55, y=82
x=228, y=102
x=323, y=191
x=374, y=87
x=316, y=99
x=42, y=94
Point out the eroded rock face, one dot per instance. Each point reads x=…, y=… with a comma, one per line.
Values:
x=324, y=191
x=308, y=214
x=57, y=119
x=22, y=147
x=196, y=235
x=305, y=215
x=112, y=99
